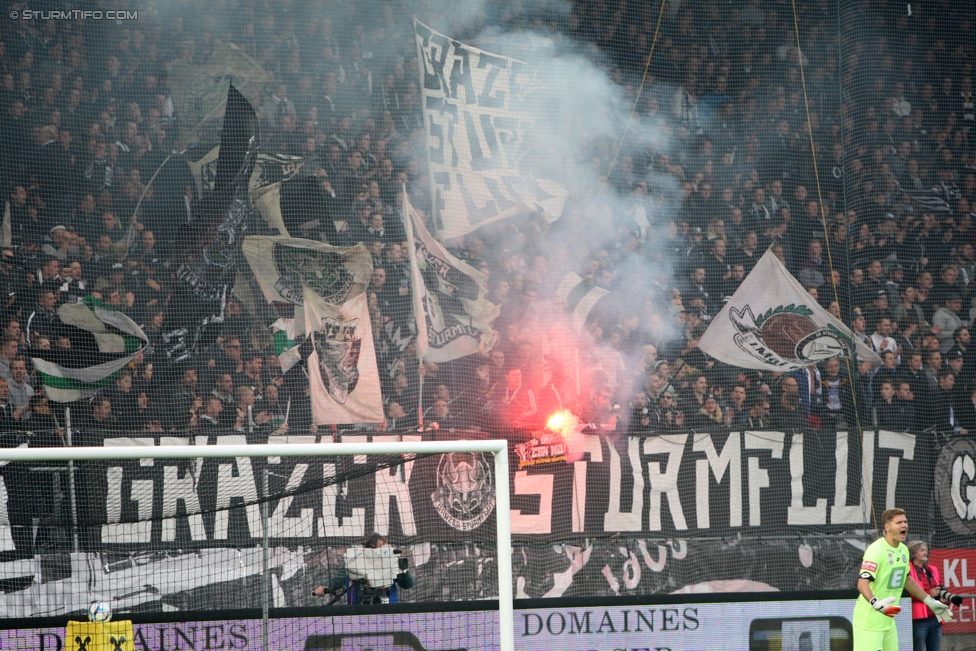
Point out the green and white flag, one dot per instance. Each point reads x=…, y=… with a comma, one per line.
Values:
x=773, y=324
x=579, y=296
x=103, y=341
x=283, y=337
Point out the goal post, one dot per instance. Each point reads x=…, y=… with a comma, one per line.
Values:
x=497, y=448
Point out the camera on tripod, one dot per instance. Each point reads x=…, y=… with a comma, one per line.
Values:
x=377, y=565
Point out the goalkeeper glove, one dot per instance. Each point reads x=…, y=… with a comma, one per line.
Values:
x=942, y=612
x=887, y=606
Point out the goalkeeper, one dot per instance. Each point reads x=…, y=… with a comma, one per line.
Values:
x=884, y=573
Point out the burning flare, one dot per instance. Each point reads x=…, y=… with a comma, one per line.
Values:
x=567, y=425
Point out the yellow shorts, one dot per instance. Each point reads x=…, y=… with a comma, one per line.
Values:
x=875, y=640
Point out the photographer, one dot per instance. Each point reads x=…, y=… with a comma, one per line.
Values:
x=927, y=629
x=359, y=591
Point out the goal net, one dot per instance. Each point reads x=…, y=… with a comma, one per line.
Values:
x=291, y=523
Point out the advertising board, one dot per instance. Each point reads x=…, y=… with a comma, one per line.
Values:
x=822, y=625
x=957, y=570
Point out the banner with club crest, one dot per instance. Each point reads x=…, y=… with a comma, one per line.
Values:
x=282, y=266
x=342, y=372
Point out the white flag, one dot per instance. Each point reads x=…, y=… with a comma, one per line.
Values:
x=283, y=266
x=477, y=132
x=342, y=373
x=772, y=324
x=453, y=316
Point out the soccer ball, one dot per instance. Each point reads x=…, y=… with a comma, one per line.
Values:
x=99, y=611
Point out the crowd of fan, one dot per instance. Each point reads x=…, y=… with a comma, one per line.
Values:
x=878, y=224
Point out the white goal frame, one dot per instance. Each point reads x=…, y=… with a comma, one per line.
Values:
x=498, y=448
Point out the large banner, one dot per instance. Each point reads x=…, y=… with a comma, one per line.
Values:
x=710, y=512
x=687, y=485
x=477, y=123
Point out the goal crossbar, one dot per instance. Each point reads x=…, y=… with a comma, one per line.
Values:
x=498, y=448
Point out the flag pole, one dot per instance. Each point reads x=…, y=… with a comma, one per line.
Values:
x=416, y=287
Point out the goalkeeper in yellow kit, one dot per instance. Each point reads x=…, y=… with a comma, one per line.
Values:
x=883, y=575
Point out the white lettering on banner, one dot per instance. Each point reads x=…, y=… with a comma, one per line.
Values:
x=965, y=506
x=140, y=492
x=6, y=535
x=561, y=581
x=662, y=556
x=229, y=487
x=475, y=107
x=730, y=459
x=681, y=551
x=798, y=514
x=759, y=477
x=178, y=489
x=394, y=487
x=840, y=513
x=665, y=484
x=541, y=485
x=896, y=441
x=592, y=446
x=961, y=580
x=279, y=524
x=631, y=569
x=136, y=495
x=183, y=489
x=329, y=524
x=615, y=519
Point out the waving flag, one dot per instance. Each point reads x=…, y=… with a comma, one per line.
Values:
x=200, y=91
x=342, y=371
x=283, y=266
x=580, y=296
x=478, y=130
x=103, y=341
x=772, y=324
x=453, y=316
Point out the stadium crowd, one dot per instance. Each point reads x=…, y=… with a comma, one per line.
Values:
x=868, y=200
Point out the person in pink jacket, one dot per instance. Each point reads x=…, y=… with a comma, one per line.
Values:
x=927, y=630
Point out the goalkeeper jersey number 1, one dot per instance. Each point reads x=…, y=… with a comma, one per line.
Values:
x=887, y=568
